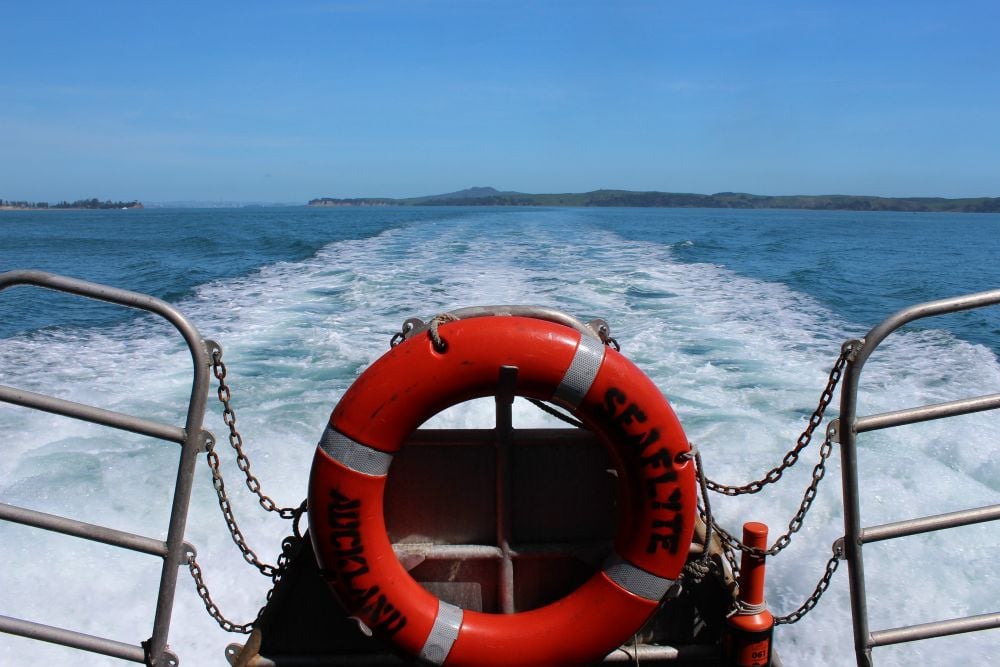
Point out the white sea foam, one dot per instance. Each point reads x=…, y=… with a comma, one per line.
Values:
x=742, y=360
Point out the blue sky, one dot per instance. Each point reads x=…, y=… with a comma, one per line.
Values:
x=285, y=101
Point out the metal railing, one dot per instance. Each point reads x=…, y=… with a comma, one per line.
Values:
x=856, y=536
x=192, y=439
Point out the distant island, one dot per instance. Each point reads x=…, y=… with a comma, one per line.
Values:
x=488, y=196
x=78, y=204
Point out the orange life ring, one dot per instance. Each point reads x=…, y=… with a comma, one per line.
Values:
x=414, y=381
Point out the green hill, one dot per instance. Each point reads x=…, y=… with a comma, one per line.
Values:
x=487, y=196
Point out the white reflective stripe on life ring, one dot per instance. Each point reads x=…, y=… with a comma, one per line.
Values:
x=581, y=373
x=444, y=633
x=354, y=455
x=636, y=580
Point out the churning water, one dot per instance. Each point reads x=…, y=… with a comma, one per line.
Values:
x=737, y=316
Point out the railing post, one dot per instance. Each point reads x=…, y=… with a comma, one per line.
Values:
x=852, y=510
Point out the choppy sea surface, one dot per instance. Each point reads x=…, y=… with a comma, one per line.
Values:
x=737, y=316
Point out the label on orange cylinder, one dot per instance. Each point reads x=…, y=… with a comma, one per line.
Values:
x=757, y=654
x=749, y=649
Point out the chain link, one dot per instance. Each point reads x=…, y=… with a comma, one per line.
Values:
x=792, y=457
x=730, y=544
x=227, y=512
x=795, y=524
x=812, y=600
x=236, y=440
x=290, y=547
x=847, y=352
x=211, y=607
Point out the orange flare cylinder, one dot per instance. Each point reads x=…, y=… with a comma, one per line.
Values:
x=747, y=640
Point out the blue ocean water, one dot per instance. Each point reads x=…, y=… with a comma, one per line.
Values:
x=737, y=315
x=861, y=265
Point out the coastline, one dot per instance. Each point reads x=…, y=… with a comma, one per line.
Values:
x=488, y=196
x=70, y=208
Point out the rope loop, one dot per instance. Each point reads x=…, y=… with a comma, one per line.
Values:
x=440, y=344
x=742, y=608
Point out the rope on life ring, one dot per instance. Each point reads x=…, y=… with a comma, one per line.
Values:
x=414, y=381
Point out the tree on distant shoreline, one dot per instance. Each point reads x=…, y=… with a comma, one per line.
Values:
x=90, y=204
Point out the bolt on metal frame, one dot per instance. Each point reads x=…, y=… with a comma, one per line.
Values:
x=192, y=439
x=847, y=428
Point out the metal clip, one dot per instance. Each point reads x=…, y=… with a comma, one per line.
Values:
x=852, y=348
x=410, y=326
x=838, y=548
x=833, y=431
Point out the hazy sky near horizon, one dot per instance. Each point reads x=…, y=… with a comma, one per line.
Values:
x=285, y=101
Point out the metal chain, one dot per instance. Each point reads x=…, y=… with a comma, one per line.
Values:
x=819, y=470
x=792, y=457
x=227, y=512
x=730, y=554
x=290, y=548
x=812, y=600
x=211, y=607
x=697, y=570
x=236, y=440
x=730, y=544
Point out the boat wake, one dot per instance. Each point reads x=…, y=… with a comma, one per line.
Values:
x=742, y=360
